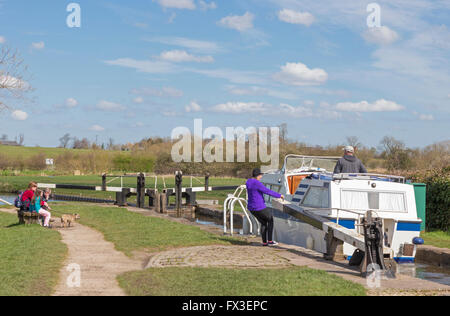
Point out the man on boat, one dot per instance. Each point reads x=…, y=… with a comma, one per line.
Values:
x=349, y=163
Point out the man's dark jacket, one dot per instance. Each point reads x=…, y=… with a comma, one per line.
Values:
x=350, y=164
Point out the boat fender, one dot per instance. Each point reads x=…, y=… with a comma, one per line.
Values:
x=418, y=241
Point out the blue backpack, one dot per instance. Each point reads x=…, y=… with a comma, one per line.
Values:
x=23, y=205
x=18, y=201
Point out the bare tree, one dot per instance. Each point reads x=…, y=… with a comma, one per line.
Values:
x=354, y=141
x=64, y=141
x=12, y=77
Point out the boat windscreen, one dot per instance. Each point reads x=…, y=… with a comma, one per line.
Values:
x=312, y=163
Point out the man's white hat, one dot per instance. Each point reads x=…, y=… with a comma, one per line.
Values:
x=349, y=149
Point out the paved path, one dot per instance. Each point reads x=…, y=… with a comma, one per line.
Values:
x=100, y=264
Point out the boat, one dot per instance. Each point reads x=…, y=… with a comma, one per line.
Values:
x=308, y=183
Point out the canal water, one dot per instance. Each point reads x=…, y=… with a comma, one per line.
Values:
x=418, y=270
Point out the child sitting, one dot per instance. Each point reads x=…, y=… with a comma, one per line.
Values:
x=37, y=202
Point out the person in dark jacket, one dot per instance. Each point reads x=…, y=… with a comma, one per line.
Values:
x=349, y=163
x=257, y=206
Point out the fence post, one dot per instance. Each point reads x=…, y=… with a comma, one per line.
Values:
x=178, y=191
x=141, y=191
x=207, y=182
x=163, y=203
x=104, y=182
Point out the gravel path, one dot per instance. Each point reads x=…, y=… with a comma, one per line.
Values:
x=99, y=264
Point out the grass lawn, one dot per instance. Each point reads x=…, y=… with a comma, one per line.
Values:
x=298, y=281
x=438, y=239
x=30, y=258
x=133, y=232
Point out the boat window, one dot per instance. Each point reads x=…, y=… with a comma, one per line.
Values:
x=310, y=163
x=317, y=197
x=364, y=200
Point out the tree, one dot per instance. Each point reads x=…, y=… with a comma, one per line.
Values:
x=397, y=156
x=12, y=78
x=64, y=141
x=354, y=141
x=81, y=144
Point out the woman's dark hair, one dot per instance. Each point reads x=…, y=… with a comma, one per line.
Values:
x=256, y=172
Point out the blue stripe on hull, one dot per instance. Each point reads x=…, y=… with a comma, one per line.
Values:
x=401, y=260
x=408, y=227
x=347, y=223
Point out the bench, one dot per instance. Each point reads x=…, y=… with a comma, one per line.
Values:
x=28, y=218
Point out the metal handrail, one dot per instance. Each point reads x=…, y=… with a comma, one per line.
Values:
x=228, y=206
x=366, y=176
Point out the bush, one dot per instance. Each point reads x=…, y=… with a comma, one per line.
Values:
x=438, y=198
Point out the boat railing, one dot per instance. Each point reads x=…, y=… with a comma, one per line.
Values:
x=369, y=176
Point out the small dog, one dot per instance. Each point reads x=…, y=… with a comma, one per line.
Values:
x=68, y=220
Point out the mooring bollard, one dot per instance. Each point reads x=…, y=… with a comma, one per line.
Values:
x=178, y=191
x=207, y=182
x=104, y=182
x=157, y=202
x=163, y=203
x=141, y=191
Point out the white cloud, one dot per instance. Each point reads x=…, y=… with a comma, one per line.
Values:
x=179, y=56
x=240, y=23
x=296, y=17
x=192, y=44
x=38, y=45
x=424, y=117
x=266, y=109
x=380, y=35
x=97, y=128
x=165, y=92
x=148, y=66
x=259, y=91
x=207, y=6
x=193, y=107
x=71, y=102
x=110, y=106
x=178, y=4
x=364, y=106
x=298, y=74
x=240, y=107
x=12, y=83
x=138, y=100
x=2, y=40
x=19, y=115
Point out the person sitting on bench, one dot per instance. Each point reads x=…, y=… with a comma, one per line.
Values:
x=36, y=206
x=27, y=196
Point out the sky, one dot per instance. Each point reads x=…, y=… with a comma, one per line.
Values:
x=140, y=68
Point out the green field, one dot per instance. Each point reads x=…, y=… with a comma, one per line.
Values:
x=27, y=152
x=135, y=232
x=437, y=239
x=30, y=258
x=298, y=281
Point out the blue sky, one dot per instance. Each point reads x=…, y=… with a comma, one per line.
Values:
x=137, y=69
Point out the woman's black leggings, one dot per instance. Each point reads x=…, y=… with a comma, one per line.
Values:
x=266, y=219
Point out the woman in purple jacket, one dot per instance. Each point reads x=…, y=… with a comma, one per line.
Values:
x=257, y=206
